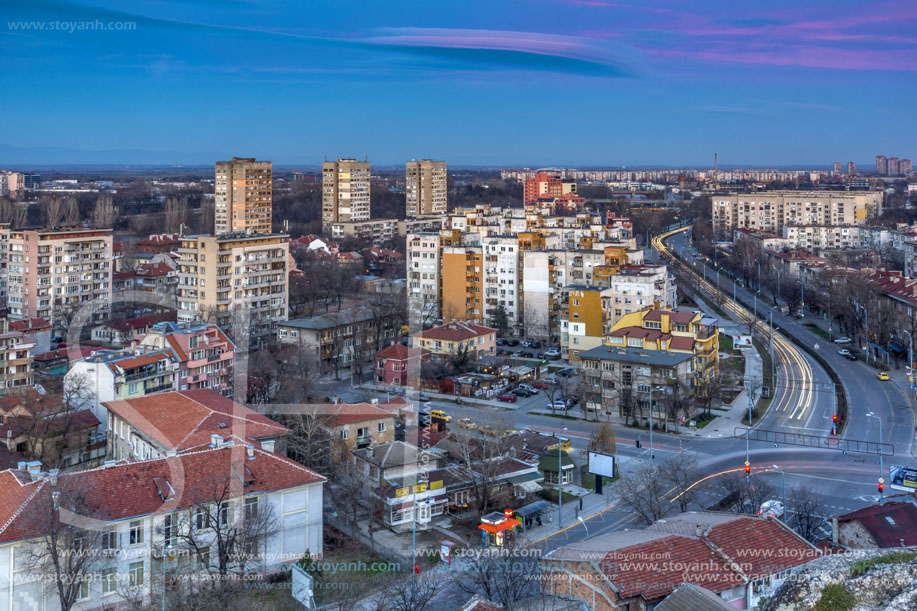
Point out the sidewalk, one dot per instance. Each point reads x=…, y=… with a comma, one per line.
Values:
x=726, y=422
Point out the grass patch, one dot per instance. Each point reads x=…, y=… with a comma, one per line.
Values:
x=550, y=495
x=835, y=597
x=811, y=326
x=713, y=306
x=703, y=419
x=861, y=566
x=767, y=380
x=725, y=342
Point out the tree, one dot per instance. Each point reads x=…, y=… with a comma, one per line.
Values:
x=643, y=493
x=348, y=492
x=500, y=320
x=408, y=594
x=309, y=442
x=681, y=473
x=479, y=461
x=176, y=214
x=747, y=493
x=71, y=212
x=53, y=208
x=502, y=575
x=49, y=427
x=807, y=512
x=103, y=213
x=604, y=440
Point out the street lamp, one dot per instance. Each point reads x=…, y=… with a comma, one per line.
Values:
x=866, y=315
x=775, y=467
x=652, y=452
x=734, y=282
x=754, y=328
x=881, y=466
x=717, y=282
x=580, y=518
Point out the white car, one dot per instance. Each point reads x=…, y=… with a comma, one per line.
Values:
x=843, y=352
x=558, y=404
x=842, y=340
x=771, y=509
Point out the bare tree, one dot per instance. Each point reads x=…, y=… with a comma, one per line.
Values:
x=176, y=212
x=807, y=512
x=206, y=221
x=53, y=208
x=747, y=493
x=71, y=211
x=681, y=473
x=643, y=493
x=348, y=492
x=408, y=594
x=505, y=576
x=103, y=213
x=309, y=442
x=604, y=440
x=20, y=215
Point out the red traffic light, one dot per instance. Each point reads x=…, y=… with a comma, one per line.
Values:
x=834, y=417
x=881, y=484
x=747, y=468
x=417, y=568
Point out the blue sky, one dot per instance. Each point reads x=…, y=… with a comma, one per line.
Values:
x=502, y=82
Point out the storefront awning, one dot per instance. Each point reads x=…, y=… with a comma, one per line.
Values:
x=502, y=526
x=518, y=480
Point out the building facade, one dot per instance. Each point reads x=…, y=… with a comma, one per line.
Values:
x=425, y=187
x=242, y=196
x=345, y=192
x=205, y=355
x=15, y=359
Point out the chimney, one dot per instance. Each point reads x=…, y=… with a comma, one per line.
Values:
x=34, y=467
x=55, y=499
x=268, y=445
x=215, y=441
x=22, y=465
x=52, y=476
x=699, y=530
x=374, y=401
x=250, y=449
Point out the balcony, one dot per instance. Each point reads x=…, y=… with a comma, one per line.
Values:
x=158, y=388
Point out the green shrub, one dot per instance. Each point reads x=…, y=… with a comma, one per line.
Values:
x=835, y=597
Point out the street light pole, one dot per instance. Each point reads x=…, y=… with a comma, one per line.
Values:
x=652, y=452
x=717, y=283
x=580, y=518
x=881, y=464
x=910, y=355
x=784, y=491
x=734, y=282
x=866, y=314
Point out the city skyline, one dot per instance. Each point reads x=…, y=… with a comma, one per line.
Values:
x=552, y=82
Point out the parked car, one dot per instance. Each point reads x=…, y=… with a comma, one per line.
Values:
x=441, y=415
x=566, y=373
x=883, y=375
x=552, y=353
x=551, y=379
x=558, y=404
x=529, y=388
x=523, y=392
x=512, y=342
x=842, y=340
x=501, y=342
x=517, y=353
x=527, y=355
x=420, y=397
x=539, y=384
x=527, y=343
x=507, y=397
x=487, y=429
x=467, y=423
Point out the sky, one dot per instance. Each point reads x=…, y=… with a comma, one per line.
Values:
x=574, y=83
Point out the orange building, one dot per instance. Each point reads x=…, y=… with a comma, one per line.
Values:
x=462, y=284
x=584, y=326
x=546, y=184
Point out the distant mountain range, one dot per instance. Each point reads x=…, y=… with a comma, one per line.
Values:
x=14, y=157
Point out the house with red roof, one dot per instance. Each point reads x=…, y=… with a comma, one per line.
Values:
x=398, y=365
x=38, y=330
x=742, y=559
x=269, y=506
x=122, y=332
x=892, y=524
x=159, y=243
x=455, y=337
x=184, y=421
x=204, y=353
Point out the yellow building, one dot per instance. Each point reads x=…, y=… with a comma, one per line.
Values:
x=584, y=325
x=242, y=196
x=462, y=283
x=671, y=331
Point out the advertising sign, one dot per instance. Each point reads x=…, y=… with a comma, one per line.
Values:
x=601, y=464
x=741, y=341
x=902, y=478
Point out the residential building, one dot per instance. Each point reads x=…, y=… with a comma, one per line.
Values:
x=242, y=192
x=392, y=461
x=730, y=554
x=142, y=508
x=15, y=359
x=905, y=167
x=769, y=211
x=345, y=192
x=634, y=287
x=205, y=354
x=456, y=338
x=11, y=183
x=159, y=243
x=889, y=525
x=152, y=426
x=53, y=272
x=122, y=374
x=818, y=238
x=121, y=333
x=340, y=337
x=425, y=187
x=583, y=325
x=377, y=231
x=37, y=330
x=892, y=165
x=546, y=184
x=398, y=365
x=233, y=276
x=837, y=168
x=4, y=260
x=424, y=251
x=463, y=294
x=851, y=169
x=881, y=165
x=502, y=286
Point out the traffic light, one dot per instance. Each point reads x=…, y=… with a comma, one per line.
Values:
x=834, y=418
x=881, y=485
x=747, y=468
x=417, y=568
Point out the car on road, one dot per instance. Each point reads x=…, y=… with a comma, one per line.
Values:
x=842, y=340
x=883, y=375
x=509, y=432
x=558, y=404
x=771, y=509
x=501, y=342
x=566, y=373
x=850, y=356
x=528, y=344
x=551, y=379
x=441, y=415
x=522, y=392
x=843, y=352
x=467, y=423
x=507, y=397
x=518, y=353
x=552, y=353
x=487, y=430
x=512, y=342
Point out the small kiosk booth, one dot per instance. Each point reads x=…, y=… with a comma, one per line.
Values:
x=499, y=528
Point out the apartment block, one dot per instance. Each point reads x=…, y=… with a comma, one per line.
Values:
x=851, y=168
x=501, y=278
x=242, y=196
x=224, y=278
x=546, y=185
x=11, y=183
x=636, y=287
x=53, y=272
x=345, y=192
x=881, y=165
x=376, y=231
x=205, y=354
x=770, y=211
x=463, y=292
x=15, y=359
x=4, y=260
x=583, y=320
x=425, y=187
x=423, y=277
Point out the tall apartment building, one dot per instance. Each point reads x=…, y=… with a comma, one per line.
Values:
x=11, y=183
x=893, y=169
x=423, y=277
x=4, y=260
x=546, y=185
x=425, y=187
x=502, y=276
x=224, y=277
x=904, y=167
x=837, y=168
x=15, y=359
x=881, y=165
x=345, y=192
x=242, y=196
x=770, y=211
x=851, y=168
x=52, y=272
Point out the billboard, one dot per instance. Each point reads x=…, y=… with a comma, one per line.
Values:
x=902, y=478
x=601, y=464
x=741, y=341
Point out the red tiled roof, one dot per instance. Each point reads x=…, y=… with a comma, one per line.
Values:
x=744, y=539
x=142, y=322
x=680, y=342
x=130, y=273
x=29, y=325
x=151, y=270
x=142, y=488
x=455, y=331
x=676, y=316
x=350, y=413
x=185, y=419
x=137, y=361
x=889, y=524
x=399, y=352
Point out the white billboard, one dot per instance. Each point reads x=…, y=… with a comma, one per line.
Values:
x=601, y=464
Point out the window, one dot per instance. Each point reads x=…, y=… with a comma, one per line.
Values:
x=84, y=588
x=203, y=559
x=135, y=573
x=109, y=581
x=167, y=529
x=136, y=532
x=199, y=519
x=251, y=508
x=343, y=433
x=381, y=427
x=110, y=540
x=223, y=513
